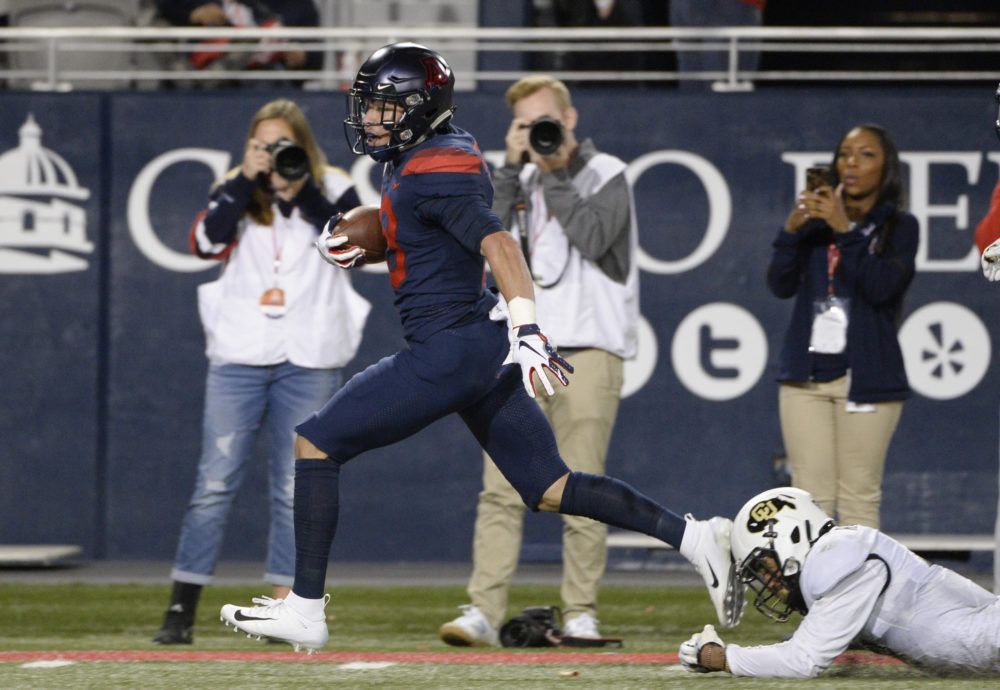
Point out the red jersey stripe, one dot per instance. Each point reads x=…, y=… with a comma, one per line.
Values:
x=443, y=160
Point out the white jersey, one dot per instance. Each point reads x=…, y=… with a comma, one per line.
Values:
x=859, y=583
x=324, y=316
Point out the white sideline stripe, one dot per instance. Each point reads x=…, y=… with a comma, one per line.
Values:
x=914, y=542
x=36, y=554
x=365, y=665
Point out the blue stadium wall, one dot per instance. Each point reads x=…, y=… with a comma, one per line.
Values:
x=101, y=350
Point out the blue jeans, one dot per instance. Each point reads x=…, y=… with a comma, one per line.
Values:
x=238, y=401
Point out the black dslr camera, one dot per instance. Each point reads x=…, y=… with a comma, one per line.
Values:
x=545, y=135
x=535, y=627
x=290, y=160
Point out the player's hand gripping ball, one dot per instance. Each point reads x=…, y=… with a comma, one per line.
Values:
x=354, y=238
x=690, y=651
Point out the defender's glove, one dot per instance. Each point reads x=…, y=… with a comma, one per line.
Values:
x=334, y=248
x=990, y=261
x=532, y=351
x=690, y=651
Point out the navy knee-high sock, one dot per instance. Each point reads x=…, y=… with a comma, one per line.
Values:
x=317, y=505
x=615, y=503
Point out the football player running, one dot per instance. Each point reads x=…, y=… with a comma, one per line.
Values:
x=439, y=224
x=853, y=585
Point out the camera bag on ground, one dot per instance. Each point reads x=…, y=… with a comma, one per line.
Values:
x=541, y=626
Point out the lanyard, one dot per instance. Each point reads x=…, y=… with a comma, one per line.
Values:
x=539, y=217
x=277, y=247
x=832, y=261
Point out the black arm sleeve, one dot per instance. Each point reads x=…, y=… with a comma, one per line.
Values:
x=317, y=209
x=228, y=203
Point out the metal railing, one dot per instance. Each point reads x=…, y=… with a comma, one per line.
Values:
x=48, y=58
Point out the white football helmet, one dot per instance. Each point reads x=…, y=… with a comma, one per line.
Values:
x=771, y=536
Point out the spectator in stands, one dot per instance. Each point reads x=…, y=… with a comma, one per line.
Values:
x=846, y=254
x=279, y=327
x=988, y=242
x=580, y=243
x=708, y=13
x=244, y=13
x=600, y=14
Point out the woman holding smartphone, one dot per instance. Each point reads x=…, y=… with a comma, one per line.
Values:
x=846, y=253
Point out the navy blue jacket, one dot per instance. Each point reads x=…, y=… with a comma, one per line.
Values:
x=874, y=281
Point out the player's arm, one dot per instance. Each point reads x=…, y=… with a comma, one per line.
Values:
x=833, y=621
x=530, y=348
x=509, y=269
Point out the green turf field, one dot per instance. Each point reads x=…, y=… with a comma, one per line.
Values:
x=98, y=621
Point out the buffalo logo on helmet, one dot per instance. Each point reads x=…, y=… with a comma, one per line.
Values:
x=436, y=74
x=764, y=512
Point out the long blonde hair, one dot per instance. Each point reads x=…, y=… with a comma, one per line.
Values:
x=260, y=204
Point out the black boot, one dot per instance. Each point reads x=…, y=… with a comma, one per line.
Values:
x=178, y=627
x=178, y=624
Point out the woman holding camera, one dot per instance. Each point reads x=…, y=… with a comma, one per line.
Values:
x=279, y=327
x=846, y=253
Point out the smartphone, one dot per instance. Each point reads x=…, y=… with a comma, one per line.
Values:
x=817, y=177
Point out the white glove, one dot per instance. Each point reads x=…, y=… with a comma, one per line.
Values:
x=990, y=261
x=531, y=350
x=690, y=650
x=332, y=247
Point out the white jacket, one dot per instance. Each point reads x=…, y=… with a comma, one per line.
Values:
x=578, y=304
x=325, y=317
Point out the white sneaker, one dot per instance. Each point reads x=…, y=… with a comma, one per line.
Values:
x=471, y=629
x=274, y=619
x=709, y=551
x=584, y=626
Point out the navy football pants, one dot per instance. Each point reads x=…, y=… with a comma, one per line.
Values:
x=455, y=370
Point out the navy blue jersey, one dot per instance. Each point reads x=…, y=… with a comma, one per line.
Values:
x=436, y=209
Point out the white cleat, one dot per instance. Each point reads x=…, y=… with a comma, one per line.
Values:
x=274, y=619
x=583, y=626
x=471, y=629
x=711, y=555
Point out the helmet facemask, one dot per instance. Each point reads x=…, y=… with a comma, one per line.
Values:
x=391, y=116
x=775, y=584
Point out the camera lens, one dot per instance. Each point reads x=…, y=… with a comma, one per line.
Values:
x=290, y=160
x=545, y=136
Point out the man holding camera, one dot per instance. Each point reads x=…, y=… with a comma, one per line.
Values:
x=571, y=208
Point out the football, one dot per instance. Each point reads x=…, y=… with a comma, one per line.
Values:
x=363, y=228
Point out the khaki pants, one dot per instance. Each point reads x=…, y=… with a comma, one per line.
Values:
x=835, y=455
x=582, y=417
